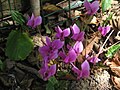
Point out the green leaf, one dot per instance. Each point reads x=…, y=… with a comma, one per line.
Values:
x=18, y=46
x=52, y=83
x=18, y=17
x=50, y=86
x=110, y=53
x=53, y=80
x=106, y=4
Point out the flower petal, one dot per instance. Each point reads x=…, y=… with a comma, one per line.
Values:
x=37, y=21
x=30, y=23
x=62, y=55
x=75, y=29
x=53, y=54
x=52, y=70
x=78, y=47
x=71, y=57
x=57, y=44
x=85, y=69
x=88, y=7
x=104, y=30
x=78, y=37
x=94, y=7
x=91, y=8
x=59, y=31
x=94, y=60
x=66, y=32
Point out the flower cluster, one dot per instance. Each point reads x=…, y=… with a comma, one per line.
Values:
x=68, y=53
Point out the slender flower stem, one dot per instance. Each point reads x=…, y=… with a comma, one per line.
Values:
x=101, y=48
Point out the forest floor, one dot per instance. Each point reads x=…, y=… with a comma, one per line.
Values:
x=23, y=75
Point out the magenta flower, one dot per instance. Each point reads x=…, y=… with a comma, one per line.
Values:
x=62, y=34
x=47, y=72
x=94, y=60
x=50, y=50
x=91, y=8
x=78, y=47
x=104, y=30
x=84, y=72
x=34, y=21
x=77, y=35
x=70, y=57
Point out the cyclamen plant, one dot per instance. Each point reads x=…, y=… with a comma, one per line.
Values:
x=67, y=53
x=57, y=50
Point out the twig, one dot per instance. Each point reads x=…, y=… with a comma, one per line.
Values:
x=105, y=42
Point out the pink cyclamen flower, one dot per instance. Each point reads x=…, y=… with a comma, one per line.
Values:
x=62, y=34
x=84, y=72
x=47, y=71
x=70, y=57
x=34, y=21
x=91, y=8
x=77, y=35
x=50, y=50
x=93, y=59
x=104, y=30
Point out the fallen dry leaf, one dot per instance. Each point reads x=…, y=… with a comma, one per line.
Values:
x=38, y=41
x=116, y=82
x=88, y=48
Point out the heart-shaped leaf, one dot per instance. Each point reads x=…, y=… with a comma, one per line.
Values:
x=18, y=46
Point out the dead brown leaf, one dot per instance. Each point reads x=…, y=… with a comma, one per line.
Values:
x=38, y=41
x=116, y=82
x=51, y=7
x=88, y=48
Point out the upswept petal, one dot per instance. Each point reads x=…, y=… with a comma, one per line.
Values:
x=85, y=69
x=59, y=32
x=78, y=37
x=37, y=21
x=57, y=44
x=66, y=32
x=52, y=70
x=30, y=23
x=91, y=8
x=58, y=29
x=104, y=30
x=44, y=51
x=53, y=54
x=62, y=55
x=94, y=60
x=75, y=29
x=78, y=47
x=87, y=5
x=71, y=57
x=94, y=7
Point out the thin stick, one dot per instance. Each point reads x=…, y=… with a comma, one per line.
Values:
x=105, y=42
